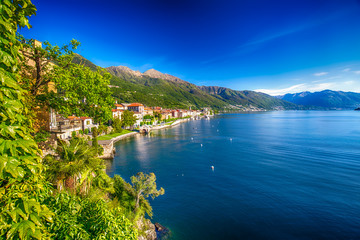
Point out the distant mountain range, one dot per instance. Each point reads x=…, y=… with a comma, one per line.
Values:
x=326, y=99
x=246, y=98
x=154, y=88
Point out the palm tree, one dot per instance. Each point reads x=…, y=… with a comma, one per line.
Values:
x=74, y=166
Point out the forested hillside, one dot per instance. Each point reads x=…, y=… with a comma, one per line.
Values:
x=246, y=98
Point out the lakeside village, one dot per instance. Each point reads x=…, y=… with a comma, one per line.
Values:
x=147, y=118
x=144, y=119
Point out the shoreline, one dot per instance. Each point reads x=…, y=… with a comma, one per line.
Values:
x=108, y=145
x=177, y=122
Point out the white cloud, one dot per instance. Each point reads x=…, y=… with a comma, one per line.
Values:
x=317, y=81
x=346, y=69
x=319, y=74
x=357, y=72
x=298, y=88
x=275, y=92
x=320, y=87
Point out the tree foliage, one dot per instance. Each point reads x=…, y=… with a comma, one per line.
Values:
x=74, y=166
x=76, y=89
x=117, y=125
x=84, y=218
x=82, y=92
x=126, y=195
x=158, y=115
x=37, y=67
x=144, y=186
x=128, y=118
x=95, y=144
x=22, y=185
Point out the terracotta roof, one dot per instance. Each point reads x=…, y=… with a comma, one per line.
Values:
x=119, y=105
x=135, y=105
x=83, y=118
x=73, y=118
x=117, y=110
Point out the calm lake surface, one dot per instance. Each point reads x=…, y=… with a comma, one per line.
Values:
x=277, y=175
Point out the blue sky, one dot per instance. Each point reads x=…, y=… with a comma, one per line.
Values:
x=271, y=46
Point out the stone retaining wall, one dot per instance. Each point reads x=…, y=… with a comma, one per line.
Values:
x=108, y=145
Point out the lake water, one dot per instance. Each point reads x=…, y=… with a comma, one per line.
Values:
x=277, y=175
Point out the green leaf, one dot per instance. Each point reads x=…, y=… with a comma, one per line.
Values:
x=35, y=218
x=5, y=58
x=26, y=228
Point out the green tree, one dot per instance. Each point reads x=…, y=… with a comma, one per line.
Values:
x=74, y=166
x=144, y=186
x=117, y=125
x=95, y=144
x=102, y=129
x=158, y=116
x=40, y=58
x=78, y=89
x=128, y=118
x=22, y=185
x=148, y=117
x=82, y=92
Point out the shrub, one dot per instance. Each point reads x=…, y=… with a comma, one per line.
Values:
x=82, y=218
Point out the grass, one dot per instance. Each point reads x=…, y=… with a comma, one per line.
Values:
x=113, y=135
x=169, y=123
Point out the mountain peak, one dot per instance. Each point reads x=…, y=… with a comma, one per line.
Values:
x=156, y=74
x=152, y=71
x=120, y=70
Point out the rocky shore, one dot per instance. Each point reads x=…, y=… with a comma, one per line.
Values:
x=152, y=231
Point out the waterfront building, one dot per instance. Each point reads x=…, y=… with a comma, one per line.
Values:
x=148, y=111
x=65, y=126
x=120, y=106
x=136, y=107
x=117, y=113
